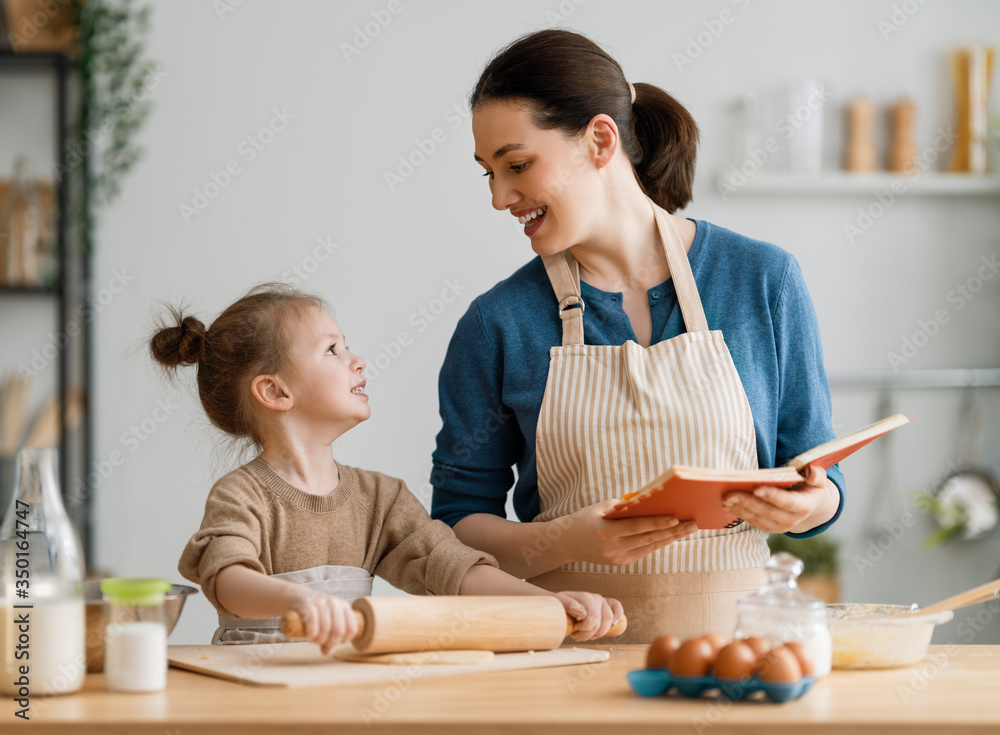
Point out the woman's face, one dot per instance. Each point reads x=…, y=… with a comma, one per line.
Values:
x=545, y=178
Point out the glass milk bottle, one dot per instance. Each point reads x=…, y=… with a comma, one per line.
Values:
x=780, y=612
x=41, y=586
x=135, y=636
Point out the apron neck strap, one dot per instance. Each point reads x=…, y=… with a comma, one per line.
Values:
x=564, y=275
x=680, y=272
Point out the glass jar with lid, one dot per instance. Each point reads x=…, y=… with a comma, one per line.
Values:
x=135, y=638
x=780, y=612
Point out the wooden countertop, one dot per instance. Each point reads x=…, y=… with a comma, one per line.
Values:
x=953, y=691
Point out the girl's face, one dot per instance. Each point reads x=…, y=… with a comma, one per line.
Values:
x=323, y=376
x=545, y=178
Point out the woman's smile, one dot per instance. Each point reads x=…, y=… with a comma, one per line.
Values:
x=531, y=219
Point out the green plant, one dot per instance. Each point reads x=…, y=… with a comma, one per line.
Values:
x=114, y=80
x=819, y=554
x=952, y=519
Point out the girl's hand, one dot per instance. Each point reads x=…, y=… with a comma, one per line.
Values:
x=592, y=537
x=779, y=510
x=594, y=614
x=329, y=621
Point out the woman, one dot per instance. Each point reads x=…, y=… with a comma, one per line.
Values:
x=638, y=340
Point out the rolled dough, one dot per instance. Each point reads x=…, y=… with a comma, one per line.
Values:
x=415, y=658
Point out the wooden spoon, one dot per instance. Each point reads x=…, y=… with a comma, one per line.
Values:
x=982, y=593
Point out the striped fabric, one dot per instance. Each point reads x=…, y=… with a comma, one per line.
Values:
x=613, y=418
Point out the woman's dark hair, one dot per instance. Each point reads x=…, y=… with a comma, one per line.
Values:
x=246, y=340
x=568, y=79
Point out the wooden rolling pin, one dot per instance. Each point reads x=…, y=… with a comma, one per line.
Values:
x=404, y=624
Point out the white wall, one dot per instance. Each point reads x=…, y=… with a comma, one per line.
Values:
x=324, y=176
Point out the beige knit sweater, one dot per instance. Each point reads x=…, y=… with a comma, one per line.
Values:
x=370, y=520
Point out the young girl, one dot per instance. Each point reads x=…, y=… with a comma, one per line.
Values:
x=294, y=529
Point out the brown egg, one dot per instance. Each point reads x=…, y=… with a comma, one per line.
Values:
x=693, y=658
x=735, y=661
x=716, y=641
x=661, y=652
x=779, y=666
x=803, y=655
x=759, y=645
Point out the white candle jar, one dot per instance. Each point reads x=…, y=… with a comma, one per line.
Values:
x=135, y=634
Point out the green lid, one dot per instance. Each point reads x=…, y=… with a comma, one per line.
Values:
x=135, y=591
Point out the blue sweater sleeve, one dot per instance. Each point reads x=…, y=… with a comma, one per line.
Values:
x=479, y=440
x=804, y=392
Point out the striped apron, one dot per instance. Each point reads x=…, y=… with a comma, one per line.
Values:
x=612, y=419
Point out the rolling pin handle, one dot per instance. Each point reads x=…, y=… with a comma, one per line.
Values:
x=292, y=625
x=615, y=630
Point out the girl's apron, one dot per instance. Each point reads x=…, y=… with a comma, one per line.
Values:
x=612, y=419
x=347, y=583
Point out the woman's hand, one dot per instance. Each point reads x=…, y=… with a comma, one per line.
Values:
x=779, y=510
x=594, y=614
x=329, y=621
x=592, y=537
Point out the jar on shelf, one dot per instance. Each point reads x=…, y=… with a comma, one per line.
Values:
x=780, y=612
x=41, y=586
x=747, y=147
x=23, y=230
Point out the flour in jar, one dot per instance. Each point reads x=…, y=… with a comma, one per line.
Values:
x=135, y=657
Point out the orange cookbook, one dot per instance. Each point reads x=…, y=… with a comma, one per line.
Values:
x=695, y=493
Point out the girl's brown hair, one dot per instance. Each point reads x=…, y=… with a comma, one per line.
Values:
x=569, y=79
x=246, y=340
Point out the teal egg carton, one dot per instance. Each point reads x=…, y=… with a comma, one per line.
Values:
x=655, y=682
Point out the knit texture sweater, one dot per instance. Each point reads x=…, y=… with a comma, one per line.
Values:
x=370, y=520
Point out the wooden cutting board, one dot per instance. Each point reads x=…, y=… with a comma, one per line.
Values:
x=302, y=664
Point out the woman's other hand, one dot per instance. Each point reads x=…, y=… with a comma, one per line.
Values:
x=593, y=538
x=780, y=510
x=594, y=615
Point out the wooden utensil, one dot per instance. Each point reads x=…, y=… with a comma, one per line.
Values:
x=46, y=432
x=14, y=416
x=982, y=593
x=403, y=624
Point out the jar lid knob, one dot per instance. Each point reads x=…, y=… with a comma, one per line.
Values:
x=783, y=569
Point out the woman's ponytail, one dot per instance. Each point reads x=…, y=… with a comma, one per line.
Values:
x=667, y=139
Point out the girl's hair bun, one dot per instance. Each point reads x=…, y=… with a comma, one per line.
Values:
x=181, y=344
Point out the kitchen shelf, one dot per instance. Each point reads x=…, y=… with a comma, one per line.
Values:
x=932, y=378
x=69, y=291
x=29, y=290
x=847, y=183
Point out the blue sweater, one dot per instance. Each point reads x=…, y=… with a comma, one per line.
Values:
x=494, y=373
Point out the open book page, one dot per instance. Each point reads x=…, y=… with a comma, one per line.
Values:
x=695, y=493
x=831, y=452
